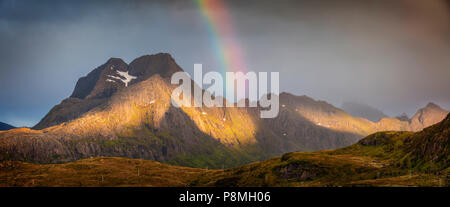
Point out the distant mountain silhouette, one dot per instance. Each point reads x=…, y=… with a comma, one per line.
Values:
x=4, y=126
x=403, y=117
x=363, y=110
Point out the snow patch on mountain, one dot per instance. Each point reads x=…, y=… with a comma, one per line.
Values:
x=115, y=77
x=125, y=77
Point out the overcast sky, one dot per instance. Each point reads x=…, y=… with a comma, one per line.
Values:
x=393, y=55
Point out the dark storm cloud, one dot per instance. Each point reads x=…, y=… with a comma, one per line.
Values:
x=393, y=55
x=390, y=54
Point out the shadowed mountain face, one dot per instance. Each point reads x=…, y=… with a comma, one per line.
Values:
x=4, y=126
x=125, y=110
x=101, y=82
x=363, y=110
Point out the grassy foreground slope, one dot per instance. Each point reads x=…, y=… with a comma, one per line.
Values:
x=380, y=159
x=99, y=171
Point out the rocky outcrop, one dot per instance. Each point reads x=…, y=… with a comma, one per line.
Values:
x=146, y=66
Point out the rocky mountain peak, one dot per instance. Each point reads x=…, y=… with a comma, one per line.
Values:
x=432, y=105
x=115, y=61
x=115, y=74
x=430, y=114
x=94, y=84
x=104, y=81
x=149, y=65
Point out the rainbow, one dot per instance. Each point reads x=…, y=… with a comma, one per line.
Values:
x=222, y=35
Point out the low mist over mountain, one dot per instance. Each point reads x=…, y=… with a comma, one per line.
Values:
x=363, y=110
x=403, y=117
x=4, y=126
x=125, y=110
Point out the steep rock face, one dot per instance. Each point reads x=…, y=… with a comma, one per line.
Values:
x=148, y=65
x=427, y=116
x=111, y=79
x=99, y=83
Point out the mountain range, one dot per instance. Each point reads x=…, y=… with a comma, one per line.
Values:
x=124, y=110
x=381, y=159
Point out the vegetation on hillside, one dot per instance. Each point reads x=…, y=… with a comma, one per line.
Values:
x=380, y=159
